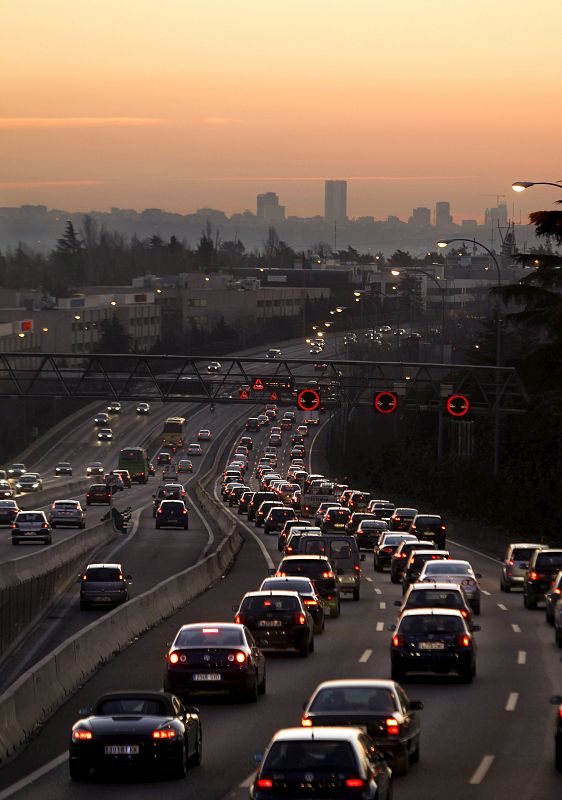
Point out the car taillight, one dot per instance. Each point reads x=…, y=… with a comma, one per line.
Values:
x=306, y=722
x=264, y=783
x=398, y=640
x=556, y=591
x=401, y=555
x=413, y=527
x=311, y=602
x=184, y=511
x=392, y=727
x=240, y=657
x=160, y=511
x=463, y=640
x=300, y=619
x=166, y=734
x=464, y=613
x=80, y=735
x=443, y=527
x=396, y=519
x=328, y=574
x=357, y=568
x=510, y=562
x=173, y=657
x=387, y=549
x=354, y=783
x=533, y=576
x=14, y=525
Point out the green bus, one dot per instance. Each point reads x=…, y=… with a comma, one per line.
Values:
x=136, y=461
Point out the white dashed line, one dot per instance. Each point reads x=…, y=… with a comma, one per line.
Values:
x=369, y=579
x=366, y=656
x=515, y=627
x=485, y=592
x=522, y=657
x=382, y=605
x=511, y=704
x=502, y=607
x=380, y=626
x=482, y=770
x=377, y=590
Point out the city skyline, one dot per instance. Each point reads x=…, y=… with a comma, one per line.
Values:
x=210, y=106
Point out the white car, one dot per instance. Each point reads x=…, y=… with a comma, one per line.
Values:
x=204, y=435
x=105, y=435
x=194, y=449
x=214, y=366
x=457, y=572
x=143, y=408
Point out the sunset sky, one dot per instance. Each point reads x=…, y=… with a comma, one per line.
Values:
x=180, y=104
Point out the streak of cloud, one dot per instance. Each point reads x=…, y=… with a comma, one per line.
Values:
x=41, y=123
x=48, y=184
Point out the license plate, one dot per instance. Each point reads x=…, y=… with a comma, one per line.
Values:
x=432, y=645
x=207, y=676
x=339, y=525
x=103, y=599
x=121, y=749
x=269, y=623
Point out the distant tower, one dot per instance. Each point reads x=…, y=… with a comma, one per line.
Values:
x=443, y=216
x=335, y=201
x=268, y=207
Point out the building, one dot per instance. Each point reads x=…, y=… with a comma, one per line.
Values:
x=443, y=218
x=335, y=201
x=268, y=207
x=496, y=217
x=421, y=218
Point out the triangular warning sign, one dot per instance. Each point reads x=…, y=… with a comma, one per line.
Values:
x=243, y=394
x=273, y=396
x=258, y=385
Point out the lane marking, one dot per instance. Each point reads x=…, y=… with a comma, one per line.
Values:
x=478, y=553
x=488, y=594
x=380, y=626
x=365, y=657
x=382, y=605
x=502, y=607
x=377, y=590
x=511, y=704
x=369, y=579
x=482, y=770
x=33, y=776
x=522, y=657
x=515, y=627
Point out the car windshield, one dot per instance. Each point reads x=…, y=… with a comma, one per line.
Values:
x=8, y=504
x=298, y=585
x=340, y=549
x=430, y=598
x=70, y=505
x=432, y=623
x=549, y=561
x=270, y=603
x=313, y=568
x=446, y=568
x=311, y=755
x=426, y=521
x=355, y=698
x=210, y=637
x=103, y=574
x=392, y=540
x=131, y=705
x=30, y=517
x=522, y=553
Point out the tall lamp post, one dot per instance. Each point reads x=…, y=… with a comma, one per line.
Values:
x=520, y=186
x=445, y=243
x=441, y=288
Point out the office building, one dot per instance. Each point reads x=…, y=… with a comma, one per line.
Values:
x=496, y=217
x=421, y=218
x=335, y=201
x=268, y=207
x=443, y=216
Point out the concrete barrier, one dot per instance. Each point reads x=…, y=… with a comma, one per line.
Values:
x=38, y=692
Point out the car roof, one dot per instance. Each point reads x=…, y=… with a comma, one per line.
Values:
x=324, y=733
x=530, y=545
x=164, y=697
x=405, y=508
x=280, y=579
x=418, y=612
x=436, y=585
x=99, y=566
x=381, y=683
x=271, y=592
x=305, y=558
x=453, y=561
x=192, y=626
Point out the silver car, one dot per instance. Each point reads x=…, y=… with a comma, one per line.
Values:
x=31, y=526
x=67, y=512
x=515, y=564
x=29, y=482
x=454, y=571
x=104, y=585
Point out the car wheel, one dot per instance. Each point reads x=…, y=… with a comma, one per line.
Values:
x=78, y=771
x=318, y=628
x=48, y=540
x=83, y=526
x=530, y=602
x=376, y=566
x=263, y=685
x=415, y=754
x=195, y=759
x=477, y=609
x=179, y=769
x=558, y=638
x=252, y=694
x=311, y=645
x=550, y=618
x=558, y=756
x=356, y=594
x=394, y=578
x=401, y=763
x=15, y=541
x=303, y=650
x=157, y=526
x=467, y=675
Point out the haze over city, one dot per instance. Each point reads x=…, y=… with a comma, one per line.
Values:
x=192, y=105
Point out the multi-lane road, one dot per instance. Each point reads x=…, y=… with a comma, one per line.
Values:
x=491, y=739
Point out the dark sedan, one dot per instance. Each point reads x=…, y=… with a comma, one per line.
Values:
x=172, y=512
x=215, y=656
x=9, y=510
x=278, y=620
x=135, y=731
x=307, y=594
x=380, y=706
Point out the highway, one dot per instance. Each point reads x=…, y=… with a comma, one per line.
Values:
x=491, y=739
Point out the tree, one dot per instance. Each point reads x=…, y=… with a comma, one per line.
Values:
x=401, y=258
x=67, y=261
x=206, y=251
x=114, y=338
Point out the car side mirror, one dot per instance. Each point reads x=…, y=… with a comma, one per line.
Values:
x=398, y=603
x=416, y=705
x=391, y=628
x=84, y=712
x=478, y=575
x=258, y=758
x=363, y=557
x=556, y=699
x=476, y=628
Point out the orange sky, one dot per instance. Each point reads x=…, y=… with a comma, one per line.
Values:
x=183, y=104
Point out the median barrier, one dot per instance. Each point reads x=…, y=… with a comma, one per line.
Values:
x=42, y=689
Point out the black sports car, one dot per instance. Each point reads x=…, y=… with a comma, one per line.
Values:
x=136, y=731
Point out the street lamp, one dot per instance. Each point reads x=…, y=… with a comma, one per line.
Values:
x=445, y=243
x=520, y=186
x=441, y=288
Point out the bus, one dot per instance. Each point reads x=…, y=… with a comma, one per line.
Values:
x=135, y=460
x=174, y=432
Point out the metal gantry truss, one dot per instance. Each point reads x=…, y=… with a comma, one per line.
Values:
x=193, y=379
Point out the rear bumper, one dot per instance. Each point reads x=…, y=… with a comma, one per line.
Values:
x=183, y=683
x=432, y=662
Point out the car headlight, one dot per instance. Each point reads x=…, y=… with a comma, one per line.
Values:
x=35, y=486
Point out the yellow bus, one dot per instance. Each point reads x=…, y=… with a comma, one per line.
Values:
x=174, y=432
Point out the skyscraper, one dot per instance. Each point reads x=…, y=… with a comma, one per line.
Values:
x=335, y=201
x=443, y=216
x=268, y=207
x=421, y=217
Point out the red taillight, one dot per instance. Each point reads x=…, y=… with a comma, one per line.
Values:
x=300, y=619
x=238, y=619
x=264, y=783
x=160, y=511
x=413, y=527
x=240, y=658
x=392, y=727
x=167, y=734
x=510, y=562
x=184, y=511
x=556, y=591
x=81, y=735
x=443, y=527
x=45, y=525
x=354, y=783
x=464, y=613
x=397, y=519
x=533, y=576
x=328, y=574
x=306, y=722
x=560, y=712
x=401, y=555
x=311, y=602
x=398, y=640
x=14, y=525
x=356, y=567
x=173, y=658
x=387, y=550
x=463, y=640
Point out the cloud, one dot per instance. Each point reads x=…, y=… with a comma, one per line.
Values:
x=66, y=184
x=40, y=123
